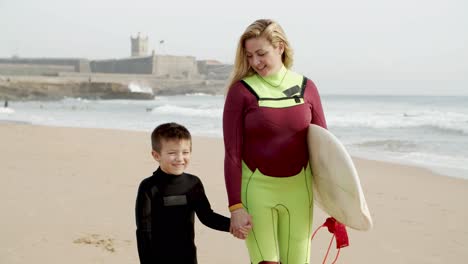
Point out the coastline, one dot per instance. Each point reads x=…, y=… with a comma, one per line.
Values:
x=69, y=193
x=436, y=170
x=101, y=86
x=421, y=131
x=443, y=171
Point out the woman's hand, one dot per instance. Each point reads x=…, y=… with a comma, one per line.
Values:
x=241, y=223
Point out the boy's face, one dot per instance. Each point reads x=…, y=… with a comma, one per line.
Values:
x=174, y=156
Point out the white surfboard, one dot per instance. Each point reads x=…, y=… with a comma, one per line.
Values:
x=336, y=185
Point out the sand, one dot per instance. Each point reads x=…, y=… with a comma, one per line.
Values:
x=67, y=195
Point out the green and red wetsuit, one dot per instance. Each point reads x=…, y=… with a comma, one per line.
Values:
x=266, y=161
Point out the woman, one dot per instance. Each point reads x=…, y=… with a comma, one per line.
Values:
x=267, y=112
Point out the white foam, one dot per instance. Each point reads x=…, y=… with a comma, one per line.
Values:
x=137, y=88
x=451, y=121
x=188, y=111
x=6, y=110
x=454, y=166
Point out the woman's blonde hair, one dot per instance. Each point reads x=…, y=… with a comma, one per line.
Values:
x=271, y=31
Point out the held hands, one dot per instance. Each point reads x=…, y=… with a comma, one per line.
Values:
x=241, y=223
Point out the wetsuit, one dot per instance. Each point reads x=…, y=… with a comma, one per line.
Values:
x=165, y=208
x=265, y=124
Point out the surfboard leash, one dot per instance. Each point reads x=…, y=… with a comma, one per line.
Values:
x=339, y=233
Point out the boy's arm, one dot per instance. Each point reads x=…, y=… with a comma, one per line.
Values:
x=143, y=224
x=204, y=212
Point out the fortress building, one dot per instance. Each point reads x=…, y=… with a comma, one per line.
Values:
x=164, y=66
x=139, y=46
x=159, y=66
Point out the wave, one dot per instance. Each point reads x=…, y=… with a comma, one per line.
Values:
x=137, y=88
x=75, y=100
x=450, y=165
x=188, y=111
x=389, y=145
x=446, y=122
x=6, y=110
x=198, y=94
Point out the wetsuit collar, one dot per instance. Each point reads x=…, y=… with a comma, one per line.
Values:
x=275, y=79
x=166, y=176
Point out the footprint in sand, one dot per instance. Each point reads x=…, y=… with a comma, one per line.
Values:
x=98, y=241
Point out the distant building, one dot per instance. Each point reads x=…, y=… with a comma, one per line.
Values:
x=139, y=46
x=165, y=66
x=162, y=66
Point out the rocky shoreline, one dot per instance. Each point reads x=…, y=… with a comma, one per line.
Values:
x=16, y=88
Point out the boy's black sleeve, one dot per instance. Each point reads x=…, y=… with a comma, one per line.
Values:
x=143, y=224
x=204, y=212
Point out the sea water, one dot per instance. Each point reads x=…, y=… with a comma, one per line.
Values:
x=428, y=131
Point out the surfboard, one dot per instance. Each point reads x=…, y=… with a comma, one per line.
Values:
x=336, y=185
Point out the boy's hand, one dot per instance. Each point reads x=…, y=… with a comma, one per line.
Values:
x=245, y=230
x=242, y=232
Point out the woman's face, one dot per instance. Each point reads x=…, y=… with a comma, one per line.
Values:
x=263, y=57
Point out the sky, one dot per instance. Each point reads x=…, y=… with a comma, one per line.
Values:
x=354, y=47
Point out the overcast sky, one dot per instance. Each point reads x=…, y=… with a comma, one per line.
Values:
x=359, y=46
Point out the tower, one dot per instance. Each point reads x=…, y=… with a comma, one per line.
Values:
x=139, y=46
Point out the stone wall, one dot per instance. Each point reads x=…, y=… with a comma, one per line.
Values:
x=84, y=66
x=34, y=70
x=214, y=70
x=165, y=66
x=79, y=65
x=139, y=65
x=160, y=66
x=175, y=66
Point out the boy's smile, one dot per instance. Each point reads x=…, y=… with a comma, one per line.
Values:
x=174, y=156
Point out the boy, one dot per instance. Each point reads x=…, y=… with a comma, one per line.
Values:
x=166, y=202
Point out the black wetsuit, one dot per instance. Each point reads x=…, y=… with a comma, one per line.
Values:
x=165, y=210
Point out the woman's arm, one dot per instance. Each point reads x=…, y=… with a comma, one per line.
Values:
x=233, y=126
x=312, y=95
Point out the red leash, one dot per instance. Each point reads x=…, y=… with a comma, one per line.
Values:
x=339, y=233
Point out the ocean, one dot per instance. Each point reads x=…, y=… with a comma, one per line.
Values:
x=426, y=131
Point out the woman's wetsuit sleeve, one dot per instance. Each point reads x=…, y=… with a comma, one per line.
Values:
x=204, y=212
x=143, y=223
x=233, y=121
x=312, y=95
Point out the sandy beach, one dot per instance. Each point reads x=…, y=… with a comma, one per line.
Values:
x=67, y=195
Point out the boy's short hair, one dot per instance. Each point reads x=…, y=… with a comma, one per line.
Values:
x=168, y=131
